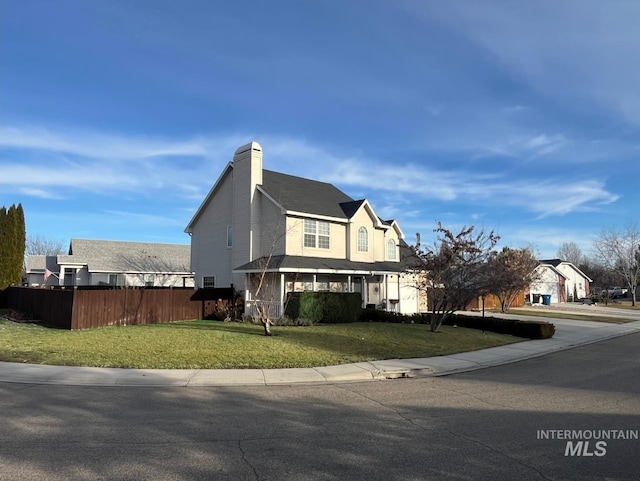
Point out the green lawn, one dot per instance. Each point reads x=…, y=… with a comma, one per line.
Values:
x=214, y=345
x=567, y=315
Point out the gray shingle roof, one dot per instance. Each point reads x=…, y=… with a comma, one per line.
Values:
x=294, y=263
x=39, y=263
x=553, y=262
x=305, y=195
x=350, y=208
x=121, y=256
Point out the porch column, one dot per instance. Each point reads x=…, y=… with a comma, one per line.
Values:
x=247, y=295
x=349, y=287
x=282, y=293
x=365, y=290
x=386, y=292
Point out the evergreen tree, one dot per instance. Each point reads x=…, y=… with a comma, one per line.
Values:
x=4, y=263
x=21, y=243
x=12, y=245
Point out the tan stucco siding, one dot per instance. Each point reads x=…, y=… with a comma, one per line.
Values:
x=392, y=236
x=361, y=219
x=379, y=253
x=377, y=239
x=295, y=240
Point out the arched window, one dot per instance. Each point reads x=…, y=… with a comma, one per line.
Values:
x=391, y=250
x=363, y=240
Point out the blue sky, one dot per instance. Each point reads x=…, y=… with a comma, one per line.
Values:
x=116, y=117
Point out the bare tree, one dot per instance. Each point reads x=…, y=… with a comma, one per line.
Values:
x=454, y=270
x=601, y=276
x=570, y=252
x=620, y=252
x=264, y=285
x=39, y=245
x=511, y=271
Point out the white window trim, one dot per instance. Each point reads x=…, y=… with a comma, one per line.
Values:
x=391, y=250
x=363, y=241
x=317, y=236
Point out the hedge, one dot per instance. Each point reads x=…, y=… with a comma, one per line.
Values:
x=524, y=329
x=328, y=307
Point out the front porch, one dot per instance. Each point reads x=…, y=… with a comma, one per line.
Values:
x=378, y=290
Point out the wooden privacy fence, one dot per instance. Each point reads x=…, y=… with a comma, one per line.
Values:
x=490, y=302
x=85, y=307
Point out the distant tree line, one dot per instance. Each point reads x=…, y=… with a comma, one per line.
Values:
x=12, y=245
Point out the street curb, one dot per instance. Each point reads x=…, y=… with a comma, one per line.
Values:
x=577, y=334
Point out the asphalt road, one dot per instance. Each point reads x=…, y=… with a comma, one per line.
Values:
x=478, y=425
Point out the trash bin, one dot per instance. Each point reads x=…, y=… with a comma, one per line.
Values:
x=536, y=299
x=546, y=299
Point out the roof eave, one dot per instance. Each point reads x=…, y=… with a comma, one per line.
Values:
x=296, y=213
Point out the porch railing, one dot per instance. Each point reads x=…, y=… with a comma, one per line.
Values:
x=275, y=309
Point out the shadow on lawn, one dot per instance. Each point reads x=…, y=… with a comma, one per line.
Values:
x=461, y=427
x=365, y=340
x=205, y=325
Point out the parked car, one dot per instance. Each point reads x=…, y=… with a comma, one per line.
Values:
x=616, y=292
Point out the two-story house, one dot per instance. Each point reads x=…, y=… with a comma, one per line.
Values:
x=576, y=283
x=561, y=280
x=273, y=233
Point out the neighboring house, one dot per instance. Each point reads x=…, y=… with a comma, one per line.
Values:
x=562, y=280
x=305, y=234
x=115, y=263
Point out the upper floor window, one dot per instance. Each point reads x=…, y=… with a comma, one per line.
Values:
x=229, y=236
x=363, y=240
x=316, y=233
x=208, y=281
x=391, y=250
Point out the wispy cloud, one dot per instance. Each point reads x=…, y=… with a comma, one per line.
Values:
x=556, y=196
x=140, y=165
x=136, y=218
x=96, y=145
x=38, y=161
x=40, y=193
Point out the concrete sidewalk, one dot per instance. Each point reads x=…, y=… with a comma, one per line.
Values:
x=569, y=333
